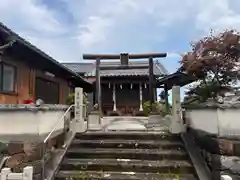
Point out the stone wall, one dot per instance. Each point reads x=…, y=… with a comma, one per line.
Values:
x=30, y=154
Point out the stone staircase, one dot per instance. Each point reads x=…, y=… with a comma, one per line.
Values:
x=126, y=155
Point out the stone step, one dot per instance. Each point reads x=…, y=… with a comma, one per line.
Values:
x=126, y=155
x=98, y=175
x=118, y=153
x=129, y=165
x=128, y=144
x=127, y=135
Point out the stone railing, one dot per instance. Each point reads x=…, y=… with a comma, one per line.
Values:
x=27, y=174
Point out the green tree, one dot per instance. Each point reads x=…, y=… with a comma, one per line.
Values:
x=214, y=61
x=71, y=98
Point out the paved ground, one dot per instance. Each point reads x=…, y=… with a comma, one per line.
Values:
x=132, y=123
x=124, y=123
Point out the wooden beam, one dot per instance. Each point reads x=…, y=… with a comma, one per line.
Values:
x=145, y=56
x=151, y=80
x=98, y=85
x=123, y=67
x=124, y=82
x=117, y=56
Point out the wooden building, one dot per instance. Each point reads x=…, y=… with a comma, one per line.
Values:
x=28, y=73
x=124, y=89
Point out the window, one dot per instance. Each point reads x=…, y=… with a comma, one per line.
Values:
x=7, y=78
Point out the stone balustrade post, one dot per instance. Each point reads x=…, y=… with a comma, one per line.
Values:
x=27, y=174
x=4, y=173
x=176, y=122
x=80, y=125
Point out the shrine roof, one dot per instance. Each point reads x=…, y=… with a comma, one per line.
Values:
x=177, y=78
x=110, y=68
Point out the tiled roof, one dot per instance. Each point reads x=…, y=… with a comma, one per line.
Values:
x=55, y=65
x=80, y=67
x=89, y=68
x=124, y=72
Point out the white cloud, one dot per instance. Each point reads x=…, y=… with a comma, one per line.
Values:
x=114, y=25
x=217, y=15
x=28, y=15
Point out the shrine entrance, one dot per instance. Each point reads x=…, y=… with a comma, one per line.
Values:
x=127, y=99
x=123, y=86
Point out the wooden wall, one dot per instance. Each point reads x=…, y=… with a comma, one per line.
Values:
x=25, y=83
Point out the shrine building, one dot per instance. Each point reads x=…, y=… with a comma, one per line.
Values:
x=124, y=85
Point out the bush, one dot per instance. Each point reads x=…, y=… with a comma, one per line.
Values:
x=71, y=98
x=157, y=108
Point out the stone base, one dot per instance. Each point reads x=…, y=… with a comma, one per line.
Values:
x=113, y=113
x=80, y=126
x=94, y=127
x=94, y=117
x=94, y=120
x=176, y=128
x=139, y=113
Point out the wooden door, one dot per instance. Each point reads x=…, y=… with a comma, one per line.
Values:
x=46, y=90
x=127, y=110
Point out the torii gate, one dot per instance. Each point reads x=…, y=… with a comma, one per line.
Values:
x=125, y=58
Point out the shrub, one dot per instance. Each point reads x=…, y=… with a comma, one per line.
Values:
x=71, y=98
x=157, y=108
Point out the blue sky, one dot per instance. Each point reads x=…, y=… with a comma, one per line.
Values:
x=67, y=28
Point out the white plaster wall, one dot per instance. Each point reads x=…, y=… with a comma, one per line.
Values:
x=17, y=124
x=229, y=122
x=48, y=119
x=222, y=122
x=203, y=119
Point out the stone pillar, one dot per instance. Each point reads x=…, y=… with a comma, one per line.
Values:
x=177, y=122
x=140, y=97
x=80, y=125
x=114, y=98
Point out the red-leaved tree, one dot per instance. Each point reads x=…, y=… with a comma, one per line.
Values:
x=214, y=60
